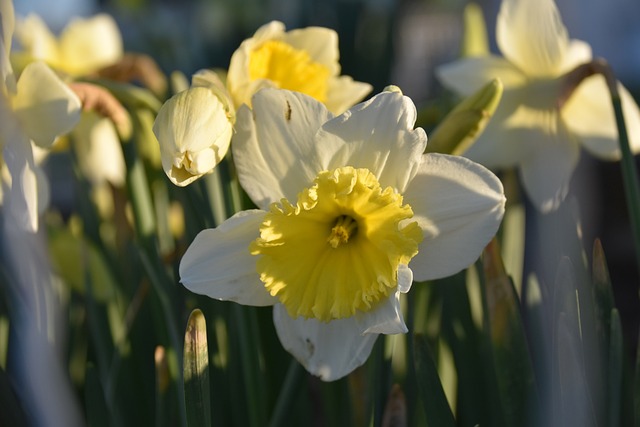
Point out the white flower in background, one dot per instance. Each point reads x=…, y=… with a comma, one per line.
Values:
x=303, y=60
x=350, y=211
x=37, y=108
x=194, y=129
x=533, y=127
x=85, y=46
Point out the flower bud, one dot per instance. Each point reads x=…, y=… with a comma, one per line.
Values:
x=194, y=130
x=462, y=126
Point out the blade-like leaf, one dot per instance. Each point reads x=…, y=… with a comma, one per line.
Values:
x=196, y=371
x=514, y=369
x=435, y=404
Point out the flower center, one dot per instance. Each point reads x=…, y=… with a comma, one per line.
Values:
x=337, y=250
x=289, y=68
x=344, y=228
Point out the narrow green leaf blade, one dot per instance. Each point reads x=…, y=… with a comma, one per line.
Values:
x=616, y=358
x=196, y=371
x=514, y=369
x=435, y=404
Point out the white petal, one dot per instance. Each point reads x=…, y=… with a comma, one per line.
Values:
x=466, y=76
x=525, y=114
x=7, y=23
x=328, y=350
x=274, y=145
x=532, y=36
x=22, y=199
x=405, y=278
x=343, y=92
x=579, y=53
x=459, y=205
x=384, y=319
x=98, y=150
x=547, y=172
x=45, y=106
x=589, y=114
x=377, y=135
x=86, y=45
x=218, y=263
x=320, y=43
x=37, y=40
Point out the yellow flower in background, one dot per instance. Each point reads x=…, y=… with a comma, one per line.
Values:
x=194, y=129
x=37, y=108
x=534, y=128
x=350, y=210
x=84, y=46
x=303, y=60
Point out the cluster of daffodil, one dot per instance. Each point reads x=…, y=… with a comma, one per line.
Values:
x=341, y=202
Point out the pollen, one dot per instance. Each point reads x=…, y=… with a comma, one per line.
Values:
x=336, y=251
x=289, y=68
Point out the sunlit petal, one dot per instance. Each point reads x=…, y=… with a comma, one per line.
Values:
x=467, y=75
x=274, y=145
x=86, y=45
x=532, y=36
x=218, y=263
x=45, y=106
x=377, y=135
x=547, y=171
x=589, y=114
x=459, y=206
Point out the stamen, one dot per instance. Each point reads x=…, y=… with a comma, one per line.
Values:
x=345, y=227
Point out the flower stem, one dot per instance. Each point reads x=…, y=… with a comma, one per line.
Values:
x=629, y=169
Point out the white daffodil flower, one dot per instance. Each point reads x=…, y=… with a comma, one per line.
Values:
x=84, y=46
x=194, y=129
x=534, y=128
x=38, y=107
x=303, y=60
x=350, y=212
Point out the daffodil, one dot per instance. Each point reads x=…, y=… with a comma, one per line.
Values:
x=303, y=60
x=84, y=47
x=37, y=108
x=350, y=211
x=194, y=129
x=535, y=128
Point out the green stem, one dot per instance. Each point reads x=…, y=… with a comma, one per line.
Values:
x=288, y=394
x=629, y=170
x=629, y=174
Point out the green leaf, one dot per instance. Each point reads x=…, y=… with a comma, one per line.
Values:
x=11, y=412
x=196, y=371
x=96, y=407
x=513, y=366
x=616, y=359
x=435, y=404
